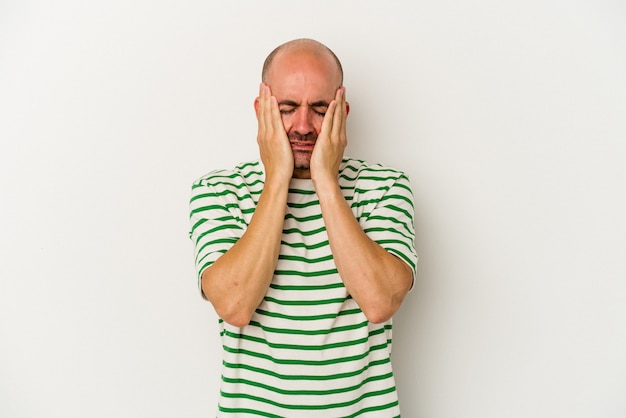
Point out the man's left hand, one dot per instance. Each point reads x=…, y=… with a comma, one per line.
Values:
x=331, y=142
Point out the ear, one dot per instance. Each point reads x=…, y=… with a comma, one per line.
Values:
x=256, y=107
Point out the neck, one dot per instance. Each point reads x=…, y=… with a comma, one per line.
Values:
x=301, y=173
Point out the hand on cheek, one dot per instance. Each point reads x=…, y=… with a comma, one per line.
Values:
x=272, y=139
x=332, y=140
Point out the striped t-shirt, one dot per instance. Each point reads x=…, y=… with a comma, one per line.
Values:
x=308, y=349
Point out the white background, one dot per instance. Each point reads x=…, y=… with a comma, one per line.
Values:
x=508, y=116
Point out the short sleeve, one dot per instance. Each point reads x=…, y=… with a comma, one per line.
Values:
x=390, y=222
x=216, y=224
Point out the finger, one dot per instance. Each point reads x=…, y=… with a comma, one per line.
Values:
x=268, y=116
x=339, y=114
x=262, y=109
x=329, y=119
x=276, y=120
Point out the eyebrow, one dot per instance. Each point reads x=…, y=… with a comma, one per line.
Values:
x=319, y=103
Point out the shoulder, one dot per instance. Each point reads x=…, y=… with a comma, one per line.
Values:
x=246, y=174
x=355, y=170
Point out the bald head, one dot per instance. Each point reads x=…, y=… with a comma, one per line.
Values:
x=299, y=48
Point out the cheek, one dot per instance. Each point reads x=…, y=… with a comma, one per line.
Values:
x=318, y=120
x=287, y=121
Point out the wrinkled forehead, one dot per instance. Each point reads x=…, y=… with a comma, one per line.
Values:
x=304, y=88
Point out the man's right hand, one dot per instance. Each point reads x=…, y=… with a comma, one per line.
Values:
x=237, y=282
x=274, y=146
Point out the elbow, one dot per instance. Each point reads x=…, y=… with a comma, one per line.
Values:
x=231, y=311
x=235, y=317
x=379, y=316
x=226, y=305
x=382, y=309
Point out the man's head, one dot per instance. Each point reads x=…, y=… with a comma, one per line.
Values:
x=301, y=44
x=304, y=76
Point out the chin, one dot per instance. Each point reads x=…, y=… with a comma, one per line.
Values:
x=302, y=162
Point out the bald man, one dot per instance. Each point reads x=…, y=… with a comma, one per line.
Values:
x=305, y=254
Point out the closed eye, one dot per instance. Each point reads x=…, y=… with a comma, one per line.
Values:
x=320, y=107
x=287, y=107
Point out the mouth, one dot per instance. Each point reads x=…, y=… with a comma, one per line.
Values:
x=302, y=146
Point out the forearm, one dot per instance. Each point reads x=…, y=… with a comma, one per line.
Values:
x=376, y=279
x=237, y=282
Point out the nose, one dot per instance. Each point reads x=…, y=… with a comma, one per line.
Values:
x=303, y=124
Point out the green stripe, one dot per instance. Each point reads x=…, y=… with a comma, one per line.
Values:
x=380, y=203
x=306, y=302
x=308, y=377
x=379, y=174
x=303, y=205
x=301, y=347
x=392, y=230
x=310, y=407
x=305, y=273
x=303, y=245
x=211, y=207
x=232, y=240
x=224, y=208
x=397, y=197
x=381, y=242
x=304, y=233
x=364, y=191
x=398, y=209
x=364, y=203
x=304, y=218
x=242, y=185
x=301, y=362
x=408, y=260
x=217, y=195
x=387, y=219
x=201, y=259
x=218, y=228
x=254, y=412
x=308, y=317
x=197, y=224
x=302, y=191
x=309, y=392
x=337, y=285
x=375, y=408
x=403, y=185
x=220, y=219
x=207, y=182
x=305, y=259
x=293, y=331
x=248, y=164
